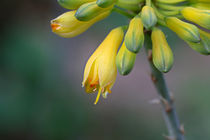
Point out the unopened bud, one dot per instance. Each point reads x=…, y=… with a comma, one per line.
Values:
x=148, y=17
x=202, y=47
x=125, y=60
x=200, y=17
x=134, y=38
x=133, y=5
x=161, y=52
x=186, y=31
x=89, y=11
x=105, y=3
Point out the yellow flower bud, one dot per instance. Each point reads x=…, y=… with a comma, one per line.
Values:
x=68, y=26
x=202, y=47
x=132, y=5
x=72, y=4
x=125, y=60
x=200, y=17
x=148, y=17
x=161, y=52
x=100, y=71
x=105, y=3
x=186, y=31
x=89, y=11
x=134, y=38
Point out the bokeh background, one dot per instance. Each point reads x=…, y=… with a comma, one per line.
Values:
x=40, y=83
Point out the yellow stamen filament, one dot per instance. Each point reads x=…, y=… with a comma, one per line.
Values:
x=98, y=96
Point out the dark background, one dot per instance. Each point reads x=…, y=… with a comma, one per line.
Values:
x=40, y=83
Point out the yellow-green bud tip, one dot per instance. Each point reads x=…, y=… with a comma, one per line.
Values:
x=148, y=17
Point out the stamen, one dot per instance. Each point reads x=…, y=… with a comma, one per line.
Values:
x=98, y=96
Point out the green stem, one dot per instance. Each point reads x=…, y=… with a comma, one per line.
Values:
x=170, y=116
x=123, y=12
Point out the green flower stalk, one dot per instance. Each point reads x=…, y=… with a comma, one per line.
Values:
x=189, y=19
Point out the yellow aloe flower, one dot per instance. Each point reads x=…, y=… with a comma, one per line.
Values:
x=100, y=71
x=67, y=25
x=198, y=16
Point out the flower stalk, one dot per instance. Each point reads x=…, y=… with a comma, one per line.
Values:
x=174, y=127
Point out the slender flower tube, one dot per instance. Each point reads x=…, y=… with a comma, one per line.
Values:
x=198, y=16
x=72, y=4
x=68, y=26
x=100, y=71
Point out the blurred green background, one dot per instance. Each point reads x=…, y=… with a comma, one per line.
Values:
x=40, y=83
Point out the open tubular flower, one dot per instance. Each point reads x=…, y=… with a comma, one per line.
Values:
x=101, y=71
x=184, y=17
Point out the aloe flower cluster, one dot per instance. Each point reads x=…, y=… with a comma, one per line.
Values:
x=189, y=19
